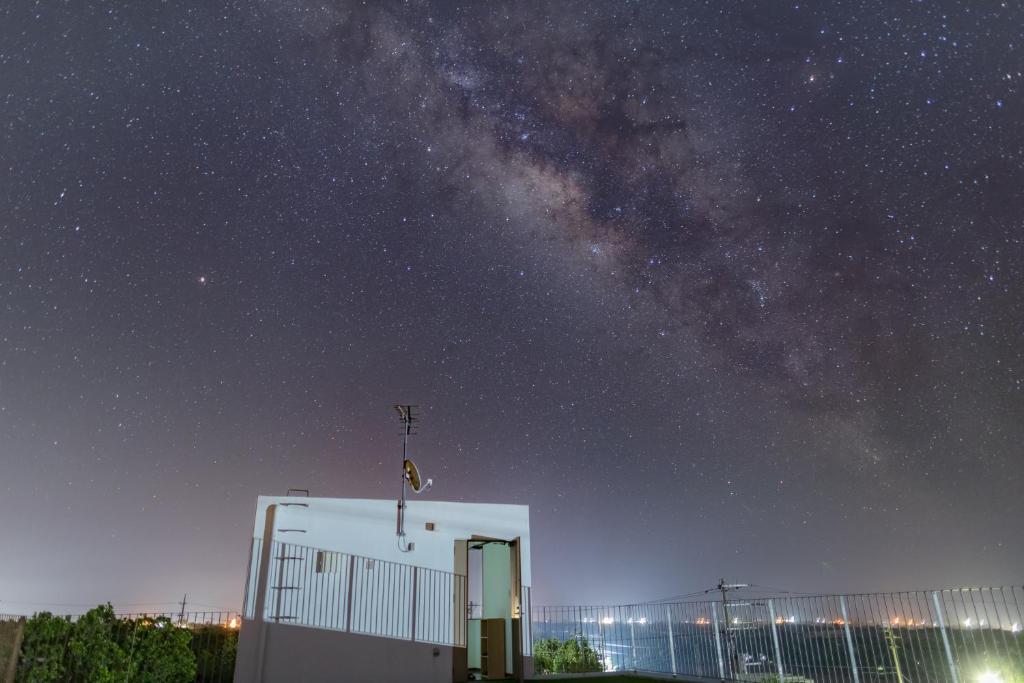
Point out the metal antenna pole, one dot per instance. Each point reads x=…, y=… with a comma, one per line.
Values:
x=405, y=414
x=730, y=649
x=728, y=636
x=181, y=616
x=891, y=638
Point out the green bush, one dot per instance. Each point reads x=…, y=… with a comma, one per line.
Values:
x=101, y=648
x=216, y=648
x=571, y=656
x=94, y=654
x=160, y=652
x=43, y=649
x=544, y=655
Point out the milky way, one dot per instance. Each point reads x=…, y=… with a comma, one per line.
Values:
x=716, y=288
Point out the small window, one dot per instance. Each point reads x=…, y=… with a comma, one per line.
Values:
x=327, y=562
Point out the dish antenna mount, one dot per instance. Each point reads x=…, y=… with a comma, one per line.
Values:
x=410, y=473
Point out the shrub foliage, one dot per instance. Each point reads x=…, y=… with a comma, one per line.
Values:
x=99, y=647
x=571, y=656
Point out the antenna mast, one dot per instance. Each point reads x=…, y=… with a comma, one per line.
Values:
x=405, y=414
x=181, y=616
x=732, y=656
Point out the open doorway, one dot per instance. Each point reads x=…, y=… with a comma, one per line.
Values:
x=493, y=651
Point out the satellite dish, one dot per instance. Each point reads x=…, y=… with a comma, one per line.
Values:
x=412, y=475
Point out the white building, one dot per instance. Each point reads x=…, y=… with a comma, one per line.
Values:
x=342, y=599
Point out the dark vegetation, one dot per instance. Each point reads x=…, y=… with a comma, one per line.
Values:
x=100, y=647
x=570, y=656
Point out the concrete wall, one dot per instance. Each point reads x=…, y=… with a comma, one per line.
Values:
x=310, y=655
x=367, y=528
x=293, y=652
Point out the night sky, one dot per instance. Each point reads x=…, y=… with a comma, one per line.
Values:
x=718, y=289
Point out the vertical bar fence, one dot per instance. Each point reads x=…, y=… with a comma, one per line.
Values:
x=961, y=635
x=334, y=590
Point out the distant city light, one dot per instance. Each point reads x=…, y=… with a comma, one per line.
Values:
x=233, y=623
x=990, y=677
x=1015, y=628
x=968, y=623
x=607, y=620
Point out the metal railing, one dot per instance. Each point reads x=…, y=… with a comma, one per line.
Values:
x=964, y=635
x=328, y=589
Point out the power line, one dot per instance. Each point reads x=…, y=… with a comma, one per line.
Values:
x=82, y=604
x=779, y=590
x=682, y=596
x=112, y=602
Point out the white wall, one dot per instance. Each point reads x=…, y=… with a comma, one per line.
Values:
x=367, y=528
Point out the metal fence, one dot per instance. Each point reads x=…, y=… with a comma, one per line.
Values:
x=214, y=637
x=962, y=635
x=328, y=589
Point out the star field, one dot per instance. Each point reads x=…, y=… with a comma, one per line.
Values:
x=716, y=288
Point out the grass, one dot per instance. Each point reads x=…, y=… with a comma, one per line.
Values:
x=624, y=678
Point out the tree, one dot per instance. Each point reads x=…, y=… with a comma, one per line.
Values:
x=215, y=647
x=43, y=647
x=575, y=655
x=544, y=655
x=160, y=652
x=99, y=647
x=94, y=654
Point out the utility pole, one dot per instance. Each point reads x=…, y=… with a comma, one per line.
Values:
x=181, y=616
x=730, y=649
x=891, y=639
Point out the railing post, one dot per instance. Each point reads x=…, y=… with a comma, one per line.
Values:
x=718, y=641
x=849, y=639
x=348, y=599
x=261, y=589
x=945, y=637
x=413, y=610
x=671, y=643
x=632, y=640
x=775, y=639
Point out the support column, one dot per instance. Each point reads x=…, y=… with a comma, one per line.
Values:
x=775, y=640
x=945, y=638
x=266, y=552
x=718, y=643
x=671, y=643
x=849, y=640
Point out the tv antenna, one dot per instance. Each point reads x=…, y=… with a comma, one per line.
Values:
x=732, y=655
x=410, y=473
